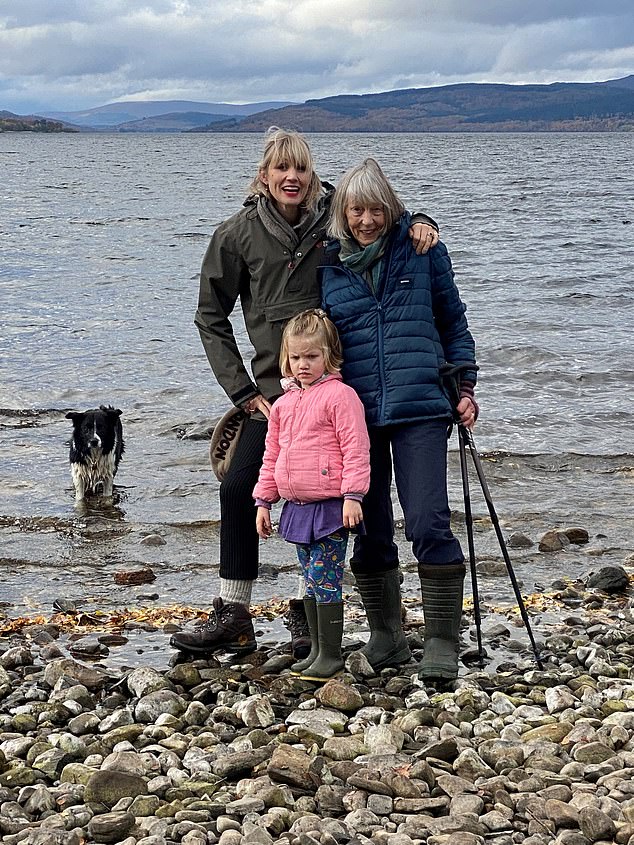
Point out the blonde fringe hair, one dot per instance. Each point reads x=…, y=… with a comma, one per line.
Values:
x=281, y=145
x=317, y=328
x=367, y=185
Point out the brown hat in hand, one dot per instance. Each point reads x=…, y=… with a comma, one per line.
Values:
x=225, y=439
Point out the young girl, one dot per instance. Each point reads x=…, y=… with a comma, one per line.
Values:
x=317, y=457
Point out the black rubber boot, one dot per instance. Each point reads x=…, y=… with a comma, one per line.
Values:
x=310, y=607
x=442, y=604
x=297, y=623
x=381, y=594
x=230, y=628
x=329, y=661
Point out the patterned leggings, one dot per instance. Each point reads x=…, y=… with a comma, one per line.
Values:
x=322, y=565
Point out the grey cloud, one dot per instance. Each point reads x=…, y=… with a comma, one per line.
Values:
x=76, y=54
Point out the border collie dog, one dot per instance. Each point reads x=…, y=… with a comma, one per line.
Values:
x=95, y=449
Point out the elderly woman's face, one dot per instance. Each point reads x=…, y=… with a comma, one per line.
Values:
x=366, y=222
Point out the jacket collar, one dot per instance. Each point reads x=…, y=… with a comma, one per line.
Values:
x=289, y=383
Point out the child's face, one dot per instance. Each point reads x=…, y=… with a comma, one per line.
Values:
x=306, y=360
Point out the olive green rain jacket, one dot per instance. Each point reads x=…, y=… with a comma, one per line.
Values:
x=271, y=268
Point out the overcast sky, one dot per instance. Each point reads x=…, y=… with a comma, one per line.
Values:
x=75, y=54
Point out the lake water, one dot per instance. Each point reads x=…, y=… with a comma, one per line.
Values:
x=101, y=240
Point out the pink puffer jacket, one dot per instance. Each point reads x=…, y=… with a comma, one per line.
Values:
x=317, y=445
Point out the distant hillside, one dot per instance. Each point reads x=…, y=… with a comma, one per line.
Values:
x=10, y=122
x=473, y=107
x=116, y=114
x=175, y=122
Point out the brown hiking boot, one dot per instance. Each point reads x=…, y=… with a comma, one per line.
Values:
x=229, y=628
x=296, y=622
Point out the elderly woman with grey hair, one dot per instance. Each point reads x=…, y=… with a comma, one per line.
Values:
x=400, y=318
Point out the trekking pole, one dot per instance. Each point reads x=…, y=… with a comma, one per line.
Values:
x=452, y=389
x=451, y=374
x=472, y=559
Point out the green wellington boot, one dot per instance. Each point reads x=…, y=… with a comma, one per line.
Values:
x=310, y=606
x=381, y=594
x=442, y=604
x=329, y=661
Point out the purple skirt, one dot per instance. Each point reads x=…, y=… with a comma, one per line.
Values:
x=312, y=521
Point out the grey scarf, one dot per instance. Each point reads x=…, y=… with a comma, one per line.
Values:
x=281, y=229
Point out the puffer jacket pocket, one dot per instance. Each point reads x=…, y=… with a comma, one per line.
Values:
x=325, y=478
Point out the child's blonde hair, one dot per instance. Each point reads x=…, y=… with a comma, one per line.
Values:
x=314, y=325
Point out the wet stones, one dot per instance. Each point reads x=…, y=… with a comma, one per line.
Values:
x=243, y=753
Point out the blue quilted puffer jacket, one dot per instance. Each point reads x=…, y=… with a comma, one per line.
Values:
x=395, y=341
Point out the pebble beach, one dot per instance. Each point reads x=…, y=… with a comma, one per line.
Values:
x=244, y=753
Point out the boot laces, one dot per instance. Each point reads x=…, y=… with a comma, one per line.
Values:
x=216, y=616
x=295, y=622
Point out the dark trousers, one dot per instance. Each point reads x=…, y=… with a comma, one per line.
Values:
x=419, y=451
x=239, y=541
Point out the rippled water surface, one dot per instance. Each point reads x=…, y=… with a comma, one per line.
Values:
x=101, y=239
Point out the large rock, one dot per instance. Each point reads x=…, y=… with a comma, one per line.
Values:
x=610, y=579
x=92, y=679
x=151, y=706
x=340, y=696
x=596, y=825
x=256, y=711
x=110, y=786
x=553, y=541
x=295, y=767
x=110, y=827
x=240, y=764
x=145, y=680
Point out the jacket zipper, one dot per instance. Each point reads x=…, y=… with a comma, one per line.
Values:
x=380, y=322
x=301, y=252
x=380, y=289
x=288, y=451
x=379, y=341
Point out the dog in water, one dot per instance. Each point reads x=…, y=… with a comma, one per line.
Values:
x=96, y=448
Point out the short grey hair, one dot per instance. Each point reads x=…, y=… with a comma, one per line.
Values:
x=368, y=185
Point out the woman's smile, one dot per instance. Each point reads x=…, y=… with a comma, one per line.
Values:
x=288, y=186
x=366, y=223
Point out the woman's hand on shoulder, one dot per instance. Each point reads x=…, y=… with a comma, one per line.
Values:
x=423, y=236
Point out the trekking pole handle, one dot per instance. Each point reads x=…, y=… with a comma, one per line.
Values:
x=450, y=375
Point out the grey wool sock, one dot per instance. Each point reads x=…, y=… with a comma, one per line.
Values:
x=238, y=592
x=301, y=587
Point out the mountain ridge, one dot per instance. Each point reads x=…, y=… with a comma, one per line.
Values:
x=462, y=107
x=117, y=113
